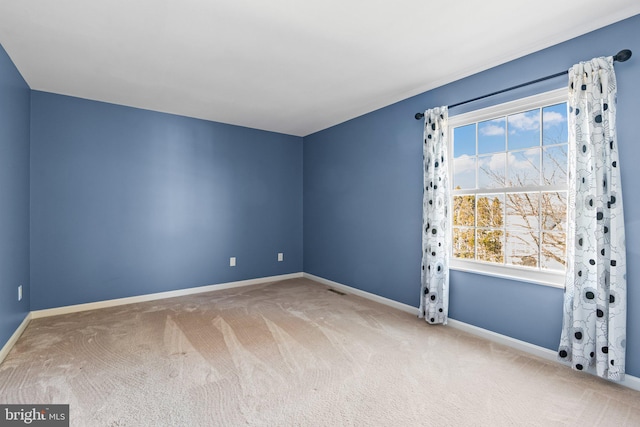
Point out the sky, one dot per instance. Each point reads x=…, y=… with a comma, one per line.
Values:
x=508, y=150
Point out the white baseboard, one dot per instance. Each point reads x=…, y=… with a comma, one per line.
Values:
x=544, y=353
x=533, y=349
x=12, y=340
x=631, y=382
x=156, y=296
x=377, y=298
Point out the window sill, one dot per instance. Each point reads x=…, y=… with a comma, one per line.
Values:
x=553, y=279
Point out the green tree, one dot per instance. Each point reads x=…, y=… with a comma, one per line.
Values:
x=490, y=240
x=464, y=210
x=464, y=217
x=464, y=243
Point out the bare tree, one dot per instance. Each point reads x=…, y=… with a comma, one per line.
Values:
x=535, y=222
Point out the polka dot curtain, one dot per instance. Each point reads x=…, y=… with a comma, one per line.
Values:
x=436, y=235
x=594, y=323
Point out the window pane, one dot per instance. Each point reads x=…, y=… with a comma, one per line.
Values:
x=464, y=141
x=490, y=210
x=491, y=136
x=491, y=245
x=554, y=124
x=522, y=248
x=464, y=210
x=524, y=130
x=523, y=211
x=463, y=242
x=552, y=254
x=464, y=172
x=554, y=165
x=524, y=167
x=554, y=211
x=491, y=170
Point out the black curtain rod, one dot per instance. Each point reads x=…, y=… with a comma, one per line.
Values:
x=621, y=56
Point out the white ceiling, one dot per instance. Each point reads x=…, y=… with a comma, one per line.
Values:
x=291, y=66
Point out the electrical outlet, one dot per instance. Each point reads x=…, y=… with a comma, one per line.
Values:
x=280, y=256
x=232, y=261
x=20, y=293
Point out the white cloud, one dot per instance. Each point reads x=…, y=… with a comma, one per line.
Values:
x=492, y=130
x=464, y=163
x=498, y=161
x=520, y=160
x=524, y=161
x=464, y=172
x=553, y=118
x=529, y=120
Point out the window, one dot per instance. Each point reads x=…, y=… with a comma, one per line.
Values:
x=509, y=189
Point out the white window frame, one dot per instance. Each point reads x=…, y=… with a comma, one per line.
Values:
x=524, y=274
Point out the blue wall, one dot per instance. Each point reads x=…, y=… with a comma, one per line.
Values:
x=127, y=202
x=14, y=197
x=363, y=196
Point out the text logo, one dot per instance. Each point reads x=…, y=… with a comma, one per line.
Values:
x=34, y=415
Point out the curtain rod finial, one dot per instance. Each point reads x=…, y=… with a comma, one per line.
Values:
x=418, y=116
x=622, y=56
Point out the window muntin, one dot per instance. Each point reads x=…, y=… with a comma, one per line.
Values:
x=509, y=194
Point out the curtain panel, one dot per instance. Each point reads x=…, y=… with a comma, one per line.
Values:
x=436, y=233
x=594, y=319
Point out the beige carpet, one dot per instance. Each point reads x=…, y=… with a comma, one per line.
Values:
x=292, y=353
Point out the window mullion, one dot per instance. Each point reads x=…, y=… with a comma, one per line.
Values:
x=477, y=187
